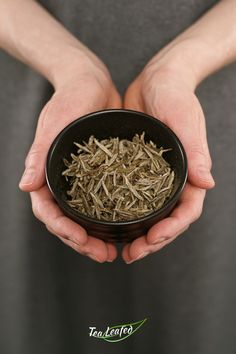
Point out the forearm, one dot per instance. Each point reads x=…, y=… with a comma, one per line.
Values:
x=206, y=46
x=32, y=35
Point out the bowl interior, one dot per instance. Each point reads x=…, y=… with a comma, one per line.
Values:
x=115, y=123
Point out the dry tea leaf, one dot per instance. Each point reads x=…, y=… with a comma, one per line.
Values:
x=118, y=179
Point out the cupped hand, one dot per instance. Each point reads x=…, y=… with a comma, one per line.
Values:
x=167, y=95
x=88, y=89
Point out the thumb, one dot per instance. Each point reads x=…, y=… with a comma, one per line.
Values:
x=47, y=129
x=34, y=177
x=115, y=100
x=133, y=99
x=199, y=166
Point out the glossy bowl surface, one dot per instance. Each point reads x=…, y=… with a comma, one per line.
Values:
x=124, y=124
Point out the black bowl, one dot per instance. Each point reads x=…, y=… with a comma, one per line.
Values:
x=124, y=124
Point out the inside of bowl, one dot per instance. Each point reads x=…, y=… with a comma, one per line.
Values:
x=112, y=124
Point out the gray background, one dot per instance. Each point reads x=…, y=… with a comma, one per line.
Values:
x=50, y=295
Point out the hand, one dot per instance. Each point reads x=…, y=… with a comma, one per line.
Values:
x=166, y=94
x=88, y=88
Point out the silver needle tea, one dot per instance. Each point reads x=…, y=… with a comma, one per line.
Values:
x=118, y=179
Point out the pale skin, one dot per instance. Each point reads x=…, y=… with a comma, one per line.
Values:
x=165, y=89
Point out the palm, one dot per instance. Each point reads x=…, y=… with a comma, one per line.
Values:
x=65, y=106
x=178, y=108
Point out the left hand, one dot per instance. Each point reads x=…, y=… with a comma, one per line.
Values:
x=88, y=89
x=164, y=93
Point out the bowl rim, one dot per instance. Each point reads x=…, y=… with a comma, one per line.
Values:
x=62, y=204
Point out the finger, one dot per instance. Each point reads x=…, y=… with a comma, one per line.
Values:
x=135, y=250
x=199, y=164
x=189, y=210
x=165, y=241
x=184, y=115
x=46, y=210
x=112, y=252
x=199, y=159
x=103, y=252
x=114, y=100
x=95, y=248
x=133, y=99
x=60, y=234
x=53, y=118
x=88, y=250
x=111, y=249
x=193, y=138
x=125, y=253
x=140, y=248
x=34, y=176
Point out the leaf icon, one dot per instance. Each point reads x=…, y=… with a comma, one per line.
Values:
x=116, y=337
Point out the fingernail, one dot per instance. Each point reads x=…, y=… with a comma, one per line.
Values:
x=129, y=262
x=110, y=260
x=94, y=258
x=142, y=255
x=28, y=177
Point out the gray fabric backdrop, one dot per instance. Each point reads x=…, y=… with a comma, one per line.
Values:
x=50, y=295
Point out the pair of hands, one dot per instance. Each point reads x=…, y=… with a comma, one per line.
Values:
x=160, y=90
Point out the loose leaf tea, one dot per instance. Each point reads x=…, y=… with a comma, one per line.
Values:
x=117, y=179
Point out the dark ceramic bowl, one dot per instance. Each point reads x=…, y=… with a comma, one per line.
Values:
x=124, y=124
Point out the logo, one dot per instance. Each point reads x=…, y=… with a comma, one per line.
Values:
x=116, y=333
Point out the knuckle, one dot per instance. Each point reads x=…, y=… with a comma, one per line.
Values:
x=180, y=232
x=36, y=210
x=185, y=228
x=197, y=149
x=207, y=154
x=73, y=245
x=44, y=114
x=209, y=159
x=196, y=212
x=58, y=223
x=200, y=152
x=50, y=230
x=33, y=154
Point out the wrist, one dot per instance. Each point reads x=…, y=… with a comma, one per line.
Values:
x=74, y=64
x=184, y=62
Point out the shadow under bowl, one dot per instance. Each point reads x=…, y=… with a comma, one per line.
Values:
x=124, y=124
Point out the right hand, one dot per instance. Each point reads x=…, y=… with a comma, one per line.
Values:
x=161, y=90
x=87, y=88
